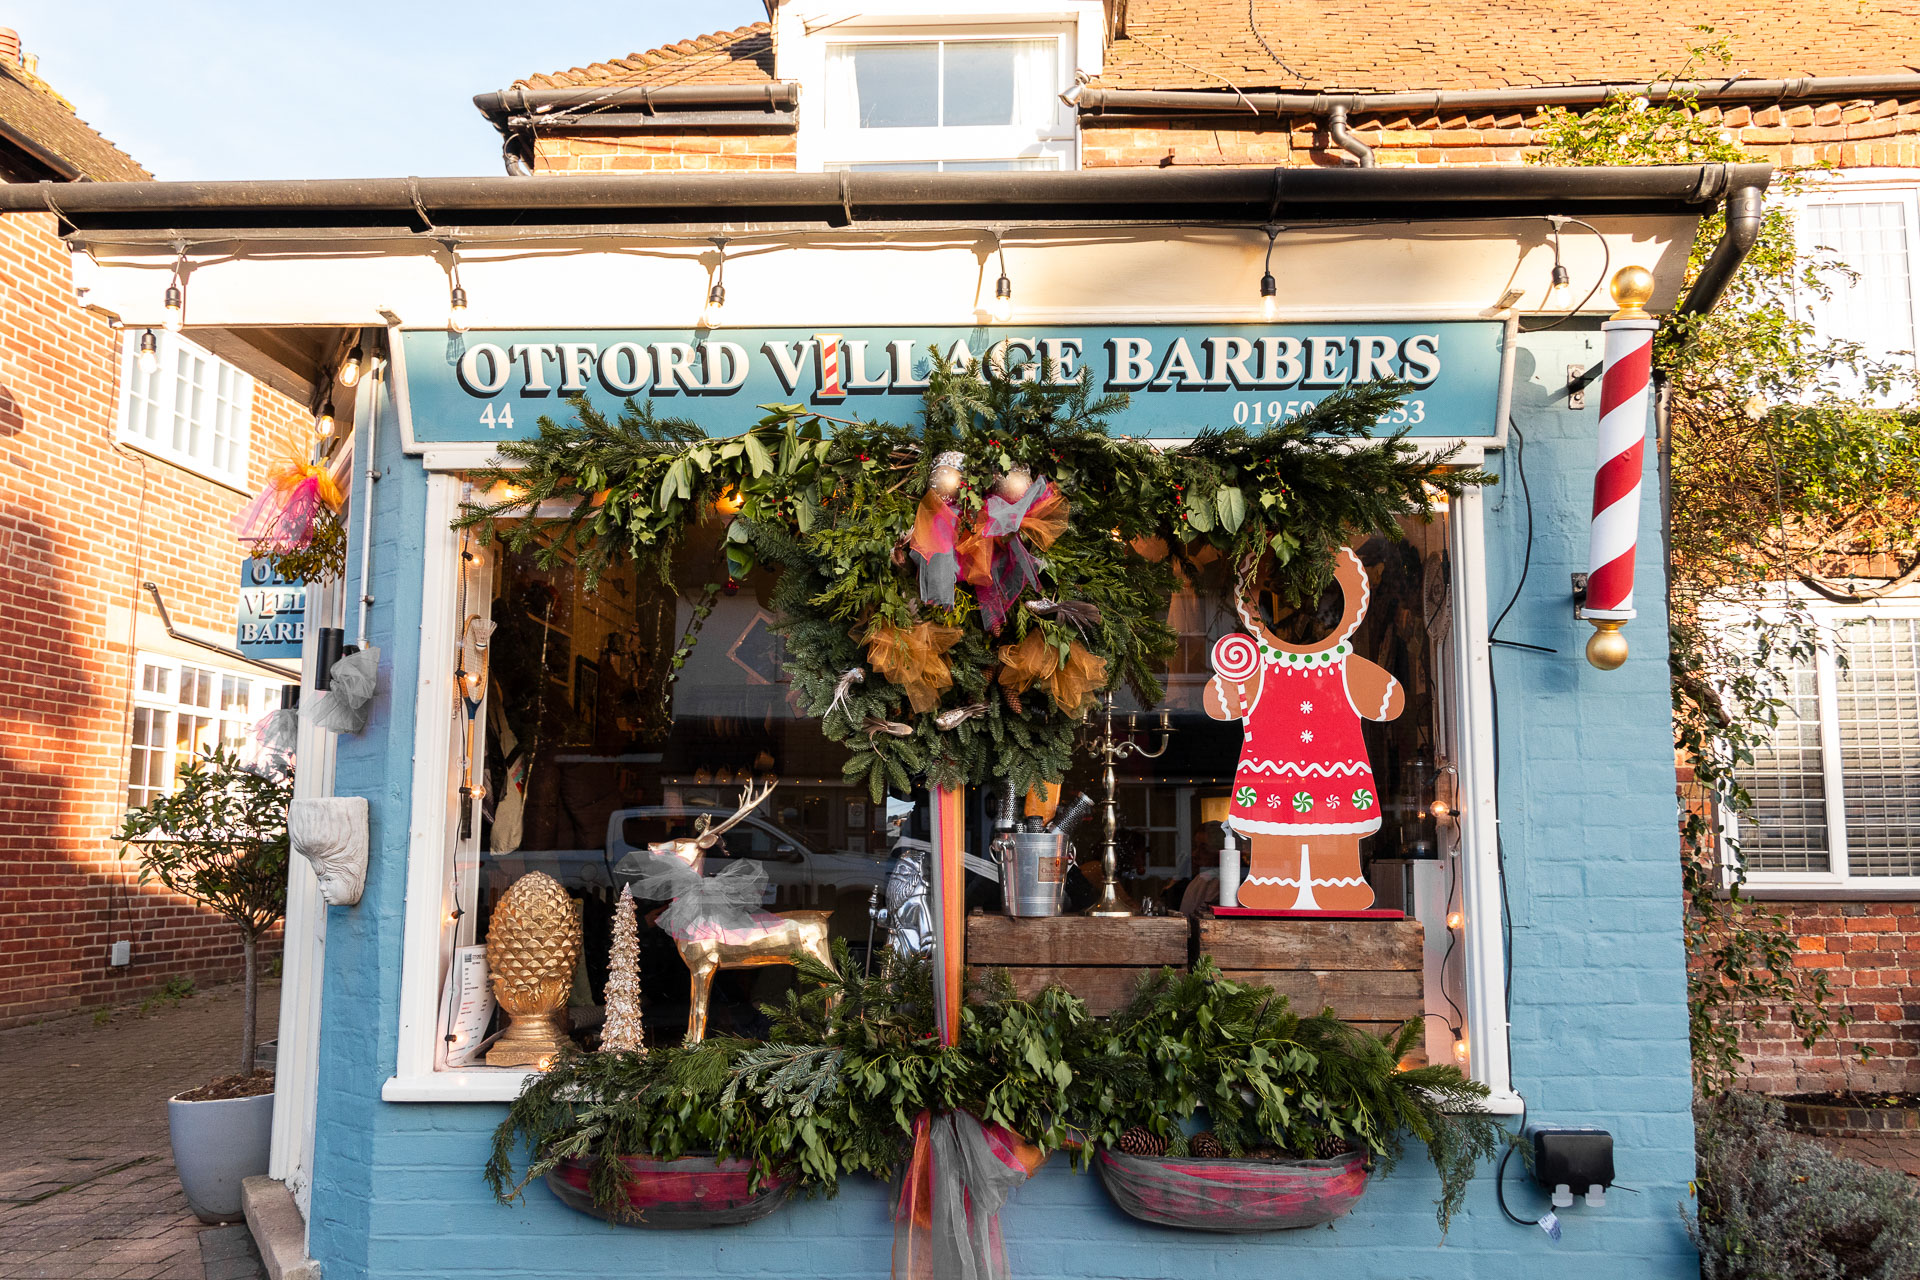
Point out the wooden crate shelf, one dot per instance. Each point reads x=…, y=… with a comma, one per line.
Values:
x=1370, y=972
x=1098, y=960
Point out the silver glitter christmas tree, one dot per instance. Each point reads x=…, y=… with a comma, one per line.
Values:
x=623, y=1032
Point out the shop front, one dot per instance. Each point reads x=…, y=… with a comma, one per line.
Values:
x=625, y=597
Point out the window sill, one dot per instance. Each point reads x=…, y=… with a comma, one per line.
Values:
x=148, y=449
x=468, y=1084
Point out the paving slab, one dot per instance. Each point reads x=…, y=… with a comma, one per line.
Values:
x=87, y=1185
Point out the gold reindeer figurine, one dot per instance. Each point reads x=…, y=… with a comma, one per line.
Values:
x=712, y=919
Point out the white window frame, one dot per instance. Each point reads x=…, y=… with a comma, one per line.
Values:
x=435, y=851
x=1868, y=186
x=1838, y=880
x=259, y=704
x=165, y=384
x=800, y=44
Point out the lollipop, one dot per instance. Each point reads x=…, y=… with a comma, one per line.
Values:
x=1236, y=656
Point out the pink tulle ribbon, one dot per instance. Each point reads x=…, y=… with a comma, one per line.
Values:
x=281, y=519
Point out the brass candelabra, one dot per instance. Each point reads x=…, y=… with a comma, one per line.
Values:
x=1111, y=747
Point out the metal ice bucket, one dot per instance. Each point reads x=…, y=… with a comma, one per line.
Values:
x=1036, y=872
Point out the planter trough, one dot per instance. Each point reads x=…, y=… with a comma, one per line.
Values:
x=1233, y=1195
x=690, y=1191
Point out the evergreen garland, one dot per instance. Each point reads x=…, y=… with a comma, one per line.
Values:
x=832, y=514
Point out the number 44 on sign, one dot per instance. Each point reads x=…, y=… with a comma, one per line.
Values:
x=505, y=419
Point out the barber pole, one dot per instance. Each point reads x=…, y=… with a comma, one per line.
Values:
x=831, y=382
x=1615, y=532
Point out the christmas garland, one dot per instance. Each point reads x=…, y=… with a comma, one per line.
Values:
x=955, y=595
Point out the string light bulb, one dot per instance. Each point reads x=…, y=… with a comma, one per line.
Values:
x=717, y=292
x=149, y=352
x=457, y=309
x=349, y=374
x=1460, y=1049
x=174, y=308
x=323, y=425
x=1002, y=309
x=1441, y=810
x=1560, y=280
x=1269, y=287
x=1455, y=919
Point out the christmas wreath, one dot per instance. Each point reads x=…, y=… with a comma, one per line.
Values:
x=957, y=594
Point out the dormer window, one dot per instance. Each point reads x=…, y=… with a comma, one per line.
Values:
x=958, y=102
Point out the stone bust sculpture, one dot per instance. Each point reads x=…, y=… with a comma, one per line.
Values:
x=331, y=833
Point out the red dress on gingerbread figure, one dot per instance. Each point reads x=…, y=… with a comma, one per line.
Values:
x=1304, y=793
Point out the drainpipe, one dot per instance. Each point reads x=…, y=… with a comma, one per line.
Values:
x=1344, y=138
x=1744, y=217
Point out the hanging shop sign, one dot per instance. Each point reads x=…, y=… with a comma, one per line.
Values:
x=272, y=615
x=493, y=385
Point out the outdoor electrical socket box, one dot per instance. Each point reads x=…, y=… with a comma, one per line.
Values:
x=122, y=954
x=1573, y=1161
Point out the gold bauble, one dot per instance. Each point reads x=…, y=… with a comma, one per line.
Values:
x=1632, y=289
x=533, y=945
x=1013, y=486
x=1607, y=649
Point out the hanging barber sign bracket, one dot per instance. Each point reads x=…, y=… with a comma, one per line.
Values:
x=484, y=386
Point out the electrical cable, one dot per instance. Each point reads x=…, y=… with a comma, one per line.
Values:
x=1606, y=269
x=1500, y=1175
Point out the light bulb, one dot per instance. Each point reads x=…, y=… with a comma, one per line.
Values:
x=1269, y=296
x=457, y=310
x=149, y=352
x=323, y=425
x=1562, y=278
x=1455, y=919
x=729, y=502
x=716, y=300
x=1441, y=809
x=350, y=368
x=175, y=307
x=1003, y=299
x=1460, y=1049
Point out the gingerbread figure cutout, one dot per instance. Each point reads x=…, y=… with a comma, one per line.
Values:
x=1304, y=794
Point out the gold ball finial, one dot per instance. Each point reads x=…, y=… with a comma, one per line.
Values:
x=1632, y=288
x=1607, y=649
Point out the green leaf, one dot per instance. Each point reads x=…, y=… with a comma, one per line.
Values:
x=757, y=455
x=1232, y=506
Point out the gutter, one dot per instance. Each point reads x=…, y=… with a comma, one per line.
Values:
x=1097, y=102
x=445, y=207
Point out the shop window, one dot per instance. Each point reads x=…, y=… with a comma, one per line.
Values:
x=590, y=749
x=193, y=408
x=182, y=710
x=1873, y=230
x=957, y=104
x=1836, y=791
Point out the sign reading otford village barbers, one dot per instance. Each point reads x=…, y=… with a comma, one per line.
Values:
x=495, y=384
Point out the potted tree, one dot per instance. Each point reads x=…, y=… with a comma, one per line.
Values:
x=221, y=840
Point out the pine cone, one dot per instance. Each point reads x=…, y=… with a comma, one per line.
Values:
x=1328, y=1146
x=1205, y=1146
x=1139, y=1142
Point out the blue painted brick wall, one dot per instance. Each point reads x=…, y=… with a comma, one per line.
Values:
x=1599, y=1015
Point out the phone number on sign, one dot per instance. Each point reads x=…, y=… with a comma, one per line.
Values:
x=1259, y=413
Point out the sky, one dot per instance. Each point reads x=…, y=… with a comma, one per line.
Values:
x=216, y=89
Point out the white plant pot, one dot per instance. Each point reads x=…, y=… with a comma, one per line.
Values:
x=216, y=1144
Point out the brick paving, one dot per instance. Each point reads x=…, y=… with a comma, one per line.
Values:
x=87, y=1187
x=1900, y=1152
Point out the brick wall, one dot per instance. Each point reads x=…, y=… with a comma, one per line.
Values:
x=82, y=523
x=1868, y=951
x=1849, y=135
x=734, y=151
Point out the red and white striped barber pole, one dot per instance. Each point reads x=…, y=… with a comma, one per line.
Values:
x=1614, y=535
x=828, y=345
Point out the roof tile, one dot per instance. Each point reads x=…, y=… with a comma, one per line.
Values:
x=741, y=56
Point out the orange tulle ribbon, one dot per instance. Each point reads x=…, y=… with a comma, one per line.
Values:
x=993, y=551
x=281, y=519
x=913, y=658
x=1068, y=680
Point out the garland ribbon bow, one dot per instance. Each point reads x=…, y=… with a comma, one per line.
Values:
x=1069, y=678
x=913, y=658
x=994, y=555
x=947, y=1214
x=281, y=518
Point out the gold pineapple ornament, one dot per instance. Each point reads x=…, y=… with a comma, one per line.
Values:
x=532, y=947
